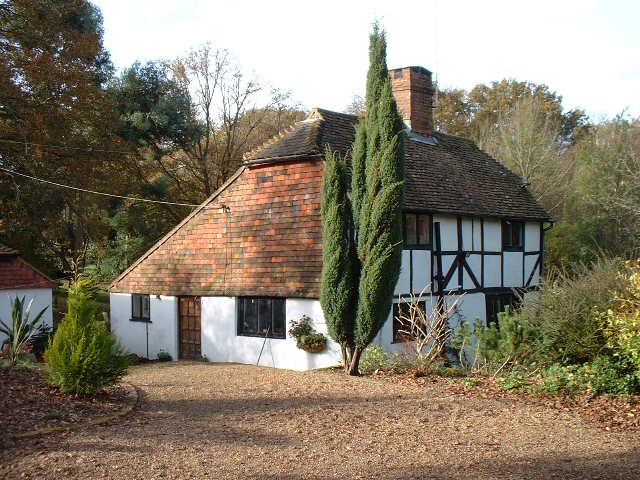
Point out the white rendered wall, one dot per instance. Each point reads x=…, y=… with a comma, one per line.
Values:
x=220, y=343
x=513, y=269
x=42, y=297
x=161, y=333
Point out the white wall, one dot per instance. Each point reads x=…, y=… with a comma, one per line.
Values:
x=220, y=343
x=42, y=297
x=161, y=333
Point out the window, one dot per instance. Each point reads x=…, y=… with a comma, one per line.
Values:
x=497, y=303
x=261, y=317
x=417, y=230
x=402, y=309
x=140, y=308
x=512, y=235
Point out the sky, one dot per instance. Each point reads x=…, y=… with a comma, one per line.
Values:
x=588, y=51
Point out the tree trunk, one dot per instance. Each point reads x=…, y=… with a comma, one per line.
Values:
x=355, y=362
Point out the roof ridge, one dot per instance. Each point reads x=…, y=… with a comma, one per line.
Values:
x=278, y=136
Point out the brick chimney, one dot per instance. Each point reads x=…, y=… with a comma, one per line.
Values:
x=413, y=91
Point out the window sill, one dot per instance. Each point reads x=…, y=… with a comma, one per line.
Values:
x=416, y=247
x=260, y=336
x=141, y=320
x=512, y=249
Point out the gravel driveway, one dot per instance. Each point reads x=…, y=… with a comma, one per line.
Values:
x=243, y=422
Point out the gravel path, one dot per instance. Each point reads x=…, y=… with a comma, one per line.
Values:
x=233, y=421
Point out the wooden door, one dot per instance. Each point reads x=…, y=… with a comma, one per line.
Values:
x=189, y=320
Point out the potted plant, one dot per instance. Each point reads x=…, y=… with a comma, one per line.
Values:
x=307, y=338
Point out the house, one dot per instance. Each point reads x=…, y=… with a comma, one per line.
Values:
x=226, y=281
x=19, y=279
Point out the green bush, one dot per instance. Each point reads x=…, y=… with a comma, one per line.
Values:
x=374, y=358
x=164, y=356
x=613, y=375
x=560, y=379
x=83, y=356
x=623, y=318
x=565, y=312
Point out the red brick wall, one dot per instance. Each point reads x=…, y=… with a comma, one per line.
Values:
x=413, y=92
x=269, y=243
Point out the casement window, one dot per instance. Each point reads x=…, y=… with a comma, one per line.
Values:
x=416, y=230
x=261, y=317
x=401, y=309
x=140, y=308
x=512, y=235
x=498, y=303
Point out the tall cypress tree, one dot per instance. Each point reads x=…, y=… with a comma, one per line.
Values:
x=377, y=188
x=355, y=316
x=339, y=285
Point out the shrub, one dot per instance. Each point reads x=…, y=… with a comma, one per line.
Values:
x=565, y=312
x=306, y=337
x=40, y=340
x=82, y=355
x=617, y=376
x=374, y=358
x=426, y=330
x=510, y=341
x=22, y=329
x=164, y=356
x=559, y=379
x=623, y=319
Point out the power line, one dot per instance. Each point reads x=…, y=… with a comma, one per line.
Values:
x=136, y=199
x=66, y=147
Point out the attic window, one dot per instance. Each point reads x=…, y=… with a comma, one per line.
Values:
x=416, y=231
x=140, y=308
x=512, y=236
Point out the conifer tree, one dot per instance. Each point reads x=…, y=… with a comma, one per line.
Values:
x=379, y=153
x=339, y=285
x=377, y=185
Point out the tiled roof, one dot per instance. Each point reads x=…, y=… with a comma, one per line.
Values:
x=260, y=234
x=4, y=250
x=15, y=273
x=450, y=175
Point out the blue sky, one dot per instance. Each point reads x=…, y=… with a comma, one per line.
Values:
x=587, y=51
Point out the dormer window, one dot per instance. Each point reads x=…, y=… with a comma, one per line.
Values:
x=512, y=236
x=416, y=231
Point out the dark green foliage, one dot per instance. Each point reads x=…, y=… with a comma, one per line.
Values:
x=306, y=337
x=83, y=356
x=164, y=356
x=615, y=375
x=338, y=291
x=40, y=340
x=378, y=152
x=377, y=185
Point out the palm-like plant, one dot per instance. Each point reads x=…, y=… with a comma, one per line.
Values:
x=22, y=328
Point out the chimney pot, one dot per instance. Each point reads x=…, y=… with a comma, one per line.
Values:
x=413, y=91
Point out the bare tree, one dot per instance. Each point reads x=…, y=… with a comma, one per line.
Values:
x=232, y=121
x=526, y=139
x=427, y=330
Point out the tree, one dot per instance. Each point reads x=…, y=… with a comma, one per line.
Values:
x=376, y=191
x=55, y=123
x=83, y=356
x=339, y=284
x=231, y=121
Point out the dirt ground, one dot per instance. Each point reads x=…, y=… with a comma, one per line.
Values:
x=233, y=421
